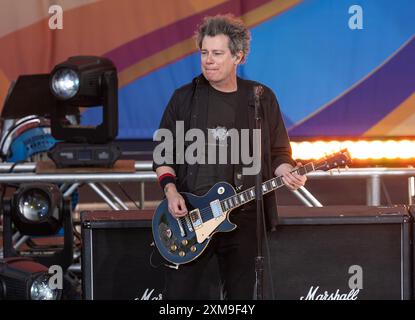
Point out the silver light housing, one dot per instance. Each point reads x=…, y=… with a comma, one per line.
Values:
x=34, y=205
x=65, y=83
x=41, y=289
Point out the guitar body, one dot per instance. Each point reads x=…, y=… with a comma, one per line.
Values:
x=183, y=240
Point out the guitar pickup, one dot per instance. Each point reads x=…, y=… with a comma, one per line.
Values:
x=196, y=219
x=216, y=209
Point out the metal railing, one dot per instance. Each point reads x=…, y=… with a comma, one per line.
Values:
x=25, y=172
x=373, y=178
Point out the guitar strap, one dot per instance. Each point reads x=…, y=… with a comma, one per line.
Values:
x=244, y=119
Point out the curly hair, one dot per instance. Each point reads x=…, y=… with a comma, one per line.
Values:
x=239, y=35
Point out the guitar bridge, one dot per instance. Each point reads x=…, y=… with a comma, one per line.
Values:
x=195, y=218
x=180, y=224
x=188, y=223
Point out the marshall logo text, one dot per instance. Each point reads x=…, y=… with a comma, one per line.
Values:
x=355, y=284
x=312, y=295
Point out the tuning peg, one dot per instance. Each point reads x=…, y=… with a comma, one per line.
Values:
x=338, y=170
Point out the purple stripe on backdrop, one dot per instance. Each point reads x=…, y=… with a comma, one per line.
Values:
x=369, y=102
x=149, y=44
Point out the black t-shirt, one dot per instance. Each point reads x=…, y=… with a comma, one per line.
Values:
x=222, y=108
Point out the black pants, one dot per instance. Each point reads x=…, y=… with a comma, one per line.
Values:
x=235, y=252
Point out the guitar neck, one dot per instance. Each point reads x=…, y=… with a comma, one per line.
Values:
x=248, y=195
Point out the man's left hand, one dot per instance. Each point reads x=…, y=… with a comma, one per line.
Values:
x=292, y=180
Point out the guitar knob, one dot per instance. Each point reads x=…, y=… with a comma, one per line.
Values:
x=173, y=247
x=185, y=242
x=182, y=254
x=193, y=248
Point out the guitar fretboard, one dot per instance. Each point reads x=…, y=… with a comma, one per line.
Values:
x=248, y=195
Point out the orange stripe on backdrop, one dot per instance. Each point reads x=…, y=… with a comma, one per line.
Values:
x=4, y=88
x=19, y=14
x=267, y=11
x=399, y=122
x=91, y=29
x=188, y=46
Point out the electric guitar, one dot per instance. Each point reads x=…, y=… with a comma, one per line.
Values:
x=184, y=239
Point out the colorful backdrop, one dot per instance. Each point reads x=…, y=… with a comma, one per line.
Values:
x=330, y=79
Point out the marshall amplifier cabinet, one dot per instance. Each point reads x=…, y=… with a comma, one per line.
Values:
x=336, y=252
x=341, y=252
x=118, y=261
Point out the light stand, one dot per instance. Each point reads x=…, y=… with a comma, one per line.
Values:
x=259, y=259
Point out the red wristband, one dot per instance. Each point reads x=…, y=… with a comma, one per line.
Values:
x=167, y=178
x=167, y=174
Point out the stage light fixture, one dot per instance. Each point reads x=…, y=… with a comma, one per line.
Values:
x=39, y=209
x=84, y=82
x=79, y=82
x=24, y=279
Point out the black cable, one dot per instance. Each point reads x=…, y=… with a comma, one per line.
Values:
x=75, y=232
x=128, y=196
x=14, y=165
x=152, y=257
x=11, y=169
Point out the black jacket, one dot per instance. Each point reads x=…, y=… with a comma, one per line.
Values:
x=190, y=104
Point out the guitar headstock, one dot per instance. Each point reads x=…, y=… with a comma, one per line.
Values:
x=335, y=160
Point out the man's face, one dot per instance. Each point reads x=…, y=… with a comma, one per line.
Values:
x=218, y=64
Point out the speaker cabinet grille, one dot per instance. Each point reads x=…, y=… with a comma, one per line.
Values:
x=118, y=257
x=342, y=252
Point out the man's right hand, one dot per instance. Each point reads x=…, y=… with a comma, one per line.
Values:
x=176, y=203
